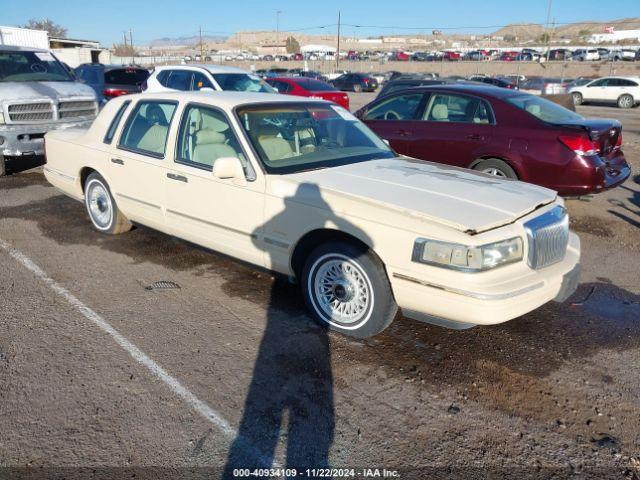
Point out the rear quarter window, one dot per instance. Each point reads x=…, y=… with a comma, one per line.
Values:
x=113, y=126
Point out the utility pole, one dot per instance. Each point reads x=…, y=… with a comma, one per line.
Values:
x=547, y=27
x=201, y=52
x=338, y=49
x=131, y=44
x=278, y=12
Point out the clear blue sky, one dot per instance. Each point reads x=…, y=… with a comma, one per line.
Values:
x=105, y=20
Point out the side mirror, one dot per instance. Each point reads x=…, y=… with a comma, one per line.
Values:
x=229, y=167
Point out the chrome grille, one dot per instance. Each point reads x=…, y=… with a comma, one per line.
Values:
x=29, y=112
x=76, y=109
x=548, y=237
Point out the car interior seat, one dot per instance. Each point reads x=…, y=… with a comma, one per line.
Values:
x=275, y=147
x=440, y=113
x=209, y=146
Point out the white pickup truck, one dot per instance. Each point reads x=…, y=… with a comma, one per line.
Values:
x=37, y=94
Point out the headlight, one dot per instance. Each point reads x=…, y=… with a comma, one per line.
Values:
x=465, y=258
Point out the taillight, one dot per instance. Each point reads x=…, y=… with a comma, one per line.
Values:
x=114, y=92
x=581, y=145
x=619, y=141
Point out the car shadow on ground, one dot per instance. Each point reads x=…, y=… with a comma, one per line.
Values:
x=630, y=215
x=571, y=330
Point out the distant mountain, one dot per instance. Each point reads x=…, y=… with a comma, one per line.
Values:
x=194, y=40
x=533, y=31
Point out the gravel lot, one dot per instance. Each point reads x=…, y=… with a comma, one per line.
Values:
x=103, y=378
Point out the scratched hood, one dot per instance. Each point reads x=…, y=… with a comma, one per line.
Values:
x=12, y=92
x=459, y=198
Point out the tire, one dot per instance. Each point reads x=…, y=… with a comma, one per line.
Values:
x=496, y=167
x=3, y=166
x=102, y=208
x=357, y=88
x=577, y=98
x=367, y=300
x=625, y=101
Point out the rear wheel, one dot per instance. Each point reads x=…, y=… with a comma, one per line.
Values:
x=102, y=208
x=357, y=88
x=496, y=167
x=625, y=101
x=346, y=288
x=577, y=98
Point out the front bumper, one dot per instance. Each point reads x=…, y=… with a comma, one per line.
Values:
x=28, y=139
x=456, y=306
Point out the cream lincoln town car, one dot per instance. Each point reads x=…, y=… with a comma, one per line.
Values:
x=303, y=188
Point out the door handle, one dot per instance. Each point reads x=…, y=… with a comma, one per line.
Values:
x=475, y=136
x=118, y=161
x=179, y=178
x=404, y=133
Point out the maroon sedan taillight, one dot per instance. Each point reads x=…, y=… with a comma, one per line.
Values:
x=579, y=144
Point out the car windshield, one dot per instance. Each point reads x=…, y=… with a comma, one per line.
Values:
x=242, y=82
x=291, y=138
x=18, y=66
x=544, y=109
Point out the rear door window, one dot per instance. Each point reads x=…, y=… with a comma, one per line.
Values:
x=445, y=107
x=147, y=128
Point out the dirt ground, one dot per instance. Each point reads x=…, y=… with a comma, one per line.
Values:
x=101, y=377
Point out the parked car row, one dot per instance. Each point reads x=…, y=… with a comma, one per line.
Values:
x=524, y=54
x=313, y=192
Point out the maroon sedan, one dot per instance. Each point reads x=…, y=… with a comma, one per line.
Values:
x=502, y=132
x=309, y=87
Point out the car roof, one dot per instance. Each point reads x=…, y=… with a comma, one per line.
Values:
x=12, y=48
x=210, y=68
x=222, y=99
x=481, y=89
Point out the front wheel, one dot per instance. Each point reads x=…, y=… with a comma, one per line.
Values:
x=577, y=98
x=102, y=208
x=357, y=88
x=625, y=101
x=346, y=288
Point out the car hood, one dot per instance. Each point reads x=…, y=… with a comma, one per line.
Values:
x=468, y=201
x=11, y=92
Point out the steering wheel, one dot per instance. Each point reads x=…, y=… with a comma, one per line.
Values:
x=391, y=113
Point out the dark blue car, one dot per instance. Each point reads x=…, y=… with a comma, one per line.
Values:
x=111, y=81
